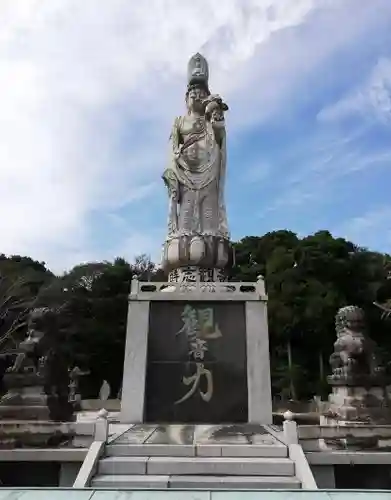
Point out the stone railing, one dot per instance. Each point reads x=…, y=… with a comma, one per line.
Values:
x=216, y=290
x=296, y=454
x=44, y=434
x=95, y=451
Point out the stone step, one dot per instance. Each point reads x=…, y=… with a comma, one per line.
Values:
x=149, y=450
x=130, y=481
x=254, y=466
x=182, y=450
x=234, y=482
x=195, y=482
x=19, y=412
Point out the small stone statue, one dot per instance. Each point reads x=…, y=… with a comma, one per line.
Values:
x=38, y=381
x=105, y=391
x=355, y=355
x=74, y=396
x=195, y=177
x=32, y=349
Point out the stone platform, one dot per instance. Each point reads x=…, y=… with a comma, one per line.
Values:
x=236, y=456
x=203, y=440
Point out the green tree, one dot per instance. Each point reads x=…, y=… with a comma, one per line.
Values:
x=307, y=281
x=94, y=316
x=21, y=279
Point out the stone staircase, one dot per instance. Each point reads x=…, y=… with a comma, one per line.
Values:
x=196, y=457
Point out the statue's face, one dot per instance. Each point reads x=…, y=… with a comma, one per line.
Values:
x=355, y=324
x=33, y=336
x=195, y=99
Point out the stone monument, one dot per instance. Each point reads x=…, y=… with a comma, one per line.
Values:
x=359, y=382
x=197, y=347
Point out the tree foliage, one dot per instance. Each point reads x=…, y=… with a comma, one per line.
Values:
x=95, y=315
x=307, y=280
x=21, y=279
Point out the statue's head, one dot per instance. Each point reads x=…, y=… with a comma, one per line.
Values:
x=350, y=318
x=35, y=330
x=36, y=318
x=195, y=97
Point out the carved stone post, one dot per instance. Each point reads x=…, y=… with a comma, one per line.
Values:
x=102, y=426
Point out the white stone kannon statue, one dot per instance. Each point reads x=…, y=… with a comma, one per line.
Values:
x=197, y=246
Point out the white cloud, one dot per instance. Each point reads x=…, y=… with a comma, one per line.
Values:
x=372, y=227
x=324, y=168
x=372, y=99
x=88, y=90
x=257, y=172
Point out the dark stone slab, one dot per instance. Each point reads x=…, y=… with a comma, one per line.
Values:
x=137, y=434
x=166, y=388
x=212, y=435
x=166, y=344
x=215, y=350
x=172, y=434
x=233, y=434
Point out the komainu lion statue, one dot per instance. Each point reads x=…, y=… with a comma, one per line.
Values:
x=41, y=365
x=355, y=355
x=33, y=348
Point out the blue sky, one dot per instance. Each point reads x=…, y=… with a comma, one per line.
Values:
x=90, y=90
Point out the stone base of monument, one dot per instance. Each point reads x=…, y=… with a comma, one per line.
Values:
x=197, y=353
x=26, y=400
x=197, y=258
x=364, y=399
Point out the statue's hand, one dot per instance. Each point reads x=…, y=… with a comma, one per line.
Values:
x=214, y=108
x=215, y=98
x=217, y=118
x=218, y=126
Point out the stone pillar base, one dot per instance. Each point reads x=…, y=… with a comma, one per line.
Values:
x=26, y=400
x=194, y=274
x=14, y=412
x=209, y=252
x=359, y=403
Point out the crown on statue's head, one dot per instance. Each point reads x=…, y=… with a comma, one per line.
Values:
x=197, y=72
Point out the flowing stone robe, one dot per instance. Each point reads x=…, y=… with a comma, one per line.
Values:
x=195, y=178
